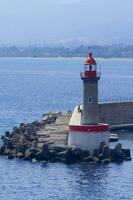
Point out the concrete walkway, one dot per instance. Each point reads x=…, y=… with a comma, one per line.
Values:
x=55, y=133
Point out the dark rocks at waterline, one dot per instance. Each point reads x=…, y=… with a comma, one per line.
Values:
x=30, y=154
x=105, y=154
x=126, y=152
x=24, y=137
x=2, y=149
x=118, y=154
x=44, y=154
x=73, y=155
x=59, y=148
x=69, y=155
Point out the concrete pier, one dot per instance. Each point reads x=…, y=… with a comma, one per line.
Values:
x=55, y=133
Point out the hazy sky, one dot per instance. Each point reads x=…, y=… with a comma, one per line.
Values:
x=39, y=21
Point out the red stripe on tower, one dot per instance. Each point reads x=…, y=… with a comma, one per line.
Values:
x=89, y=128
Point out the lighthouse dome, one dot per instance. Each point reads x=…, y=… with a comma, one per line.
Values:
x=90, y=60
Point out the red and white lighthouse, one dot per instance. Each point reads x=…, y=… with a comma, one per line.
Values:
x=85, y=129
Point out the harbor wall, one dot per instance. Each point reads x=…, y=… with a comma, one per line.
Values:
x=116, y=113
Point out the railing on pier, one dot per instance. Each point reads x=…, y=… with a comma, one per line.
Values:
x=115, y=100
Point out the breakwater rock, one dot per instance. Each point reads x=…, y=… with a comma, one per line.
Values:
x=47, y=141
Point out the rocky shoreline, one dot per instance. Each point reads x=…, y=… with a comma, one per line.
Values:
x=47, y=141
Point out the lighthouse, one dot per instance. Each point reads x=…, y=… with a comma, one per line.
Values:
x=90, y=78
x=85, y=129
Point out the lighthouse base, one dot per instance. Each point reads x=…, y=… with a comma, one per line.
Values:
x=87, y=141
x=87, y=137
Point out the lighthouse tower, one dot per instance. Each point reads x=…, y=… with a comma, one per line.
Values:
x=85, y=129
x=90, y=79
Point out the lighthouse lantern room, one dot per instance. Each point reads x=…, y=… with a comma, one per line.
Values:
x=85, y=129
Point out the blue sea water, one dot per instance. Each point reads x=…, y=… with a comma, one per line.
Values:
x=30, y=87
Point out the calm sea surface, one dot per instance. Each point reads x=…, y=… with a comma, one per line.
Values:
x=30, y=87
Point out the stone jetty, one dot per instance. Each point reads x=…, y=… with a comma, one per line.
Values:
x=46, y=140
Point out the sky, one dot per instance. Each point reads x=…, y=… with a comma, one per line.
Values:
x=24, y=22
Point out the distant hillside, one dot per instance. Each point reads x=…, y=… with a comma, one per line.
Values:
x=120, y=51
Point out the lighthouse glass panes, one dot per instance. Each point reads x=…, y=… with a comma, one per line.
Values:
x=90, y=67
